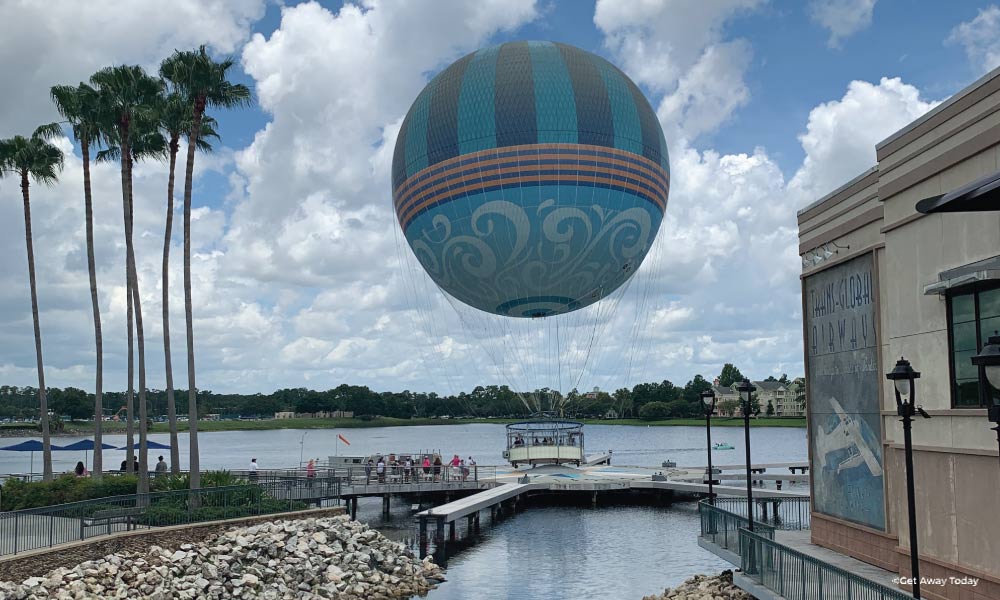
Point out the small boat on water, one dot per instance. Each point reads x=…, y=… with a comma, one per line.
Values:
x=722, y=446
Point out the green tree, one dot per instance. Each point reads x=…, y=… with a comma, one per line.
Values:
x=623, y=402
x=34, y=158
x=770, y=408
x=128, y=97
x=204, y=83
x=654, y=411
x=79, y=106
x=729, y=375
x=694, y=388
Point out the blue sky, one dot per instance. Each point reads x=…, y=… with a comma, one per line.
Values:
x=300, y=278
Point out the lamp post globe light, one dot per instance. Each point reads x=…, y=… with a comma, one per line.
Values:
x=904, y=379
x=746, y=390
x=988, y=361
x=708, y=397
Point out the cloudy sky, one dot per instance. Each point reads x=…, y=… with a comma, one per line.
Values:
x=300, y=278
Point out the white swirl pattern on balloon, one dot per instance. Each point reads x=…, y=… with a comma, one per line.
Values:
x=558, y=258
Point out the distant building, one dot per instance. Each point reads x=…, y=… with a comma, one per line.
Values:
x=285, y=414
x=592, y=395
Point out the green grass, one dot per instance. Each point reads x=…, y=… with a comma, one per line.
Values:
x=716, y=422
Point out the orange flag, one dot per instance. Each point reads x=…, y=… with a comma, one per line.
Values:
x=343, y=439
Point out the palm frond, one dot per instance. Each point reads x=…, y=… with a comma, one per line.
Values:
x=47, y=131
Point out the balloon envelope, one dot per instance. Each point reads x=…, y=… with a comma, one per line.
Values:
x=530, y=178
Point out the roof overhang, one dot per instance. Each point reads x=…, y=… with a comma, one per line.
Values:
x=984, y=270
x=981, y=195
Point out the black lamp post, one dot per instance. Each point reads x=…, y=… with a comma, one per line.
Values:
x=708, y=397
x=904, y=379
x=988, y=361
x=746, y=390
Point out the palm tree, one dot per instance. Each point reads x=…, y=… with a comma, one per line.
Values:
x=37, y=159
x=128, y=98
x=79, y=105
x=175, y=117
x=203, y=83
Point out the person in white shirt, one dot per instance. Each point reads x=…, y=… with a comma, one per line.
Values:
x=253, y=469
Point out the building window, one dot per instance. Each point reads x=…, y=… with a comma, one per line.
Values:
x=973, y=316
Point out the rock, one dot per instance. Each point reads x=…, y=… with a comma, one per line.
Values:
x=702, y=587
x=309, y=558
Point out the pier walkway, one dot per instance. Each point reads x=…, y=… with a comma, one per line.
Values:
x=511, y=485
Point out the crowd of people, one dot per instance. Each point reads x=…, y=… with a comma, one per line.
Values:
x=405, y=468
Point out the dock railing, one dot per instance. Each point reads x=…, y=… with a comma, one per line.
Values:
x=34, y=528
x=789, y=513
x=797, y=576
x=722, y=527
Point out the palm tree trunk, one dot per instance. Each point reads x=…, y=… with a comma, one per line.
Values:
x=195, y=462
x=175, y=452
x=43, y=406
x=98, y=466
x=133, y=285
x=130, y=395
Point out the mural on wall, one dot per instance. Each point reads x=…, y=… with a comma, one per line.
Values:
x=843, y=400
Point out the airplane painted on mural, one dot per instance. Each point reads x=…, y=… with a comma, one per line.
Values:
x=847, y=435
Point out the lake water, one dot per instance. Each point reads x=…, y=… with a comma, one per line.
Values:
x=551, y=552
x=281, y=448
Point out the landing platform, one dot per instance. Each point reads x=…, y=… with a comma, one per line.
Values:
x=605, y=477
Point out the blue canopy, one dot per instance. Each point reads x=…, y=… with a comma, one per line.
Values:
x=29, y=446
x=86, y=445
x=150, y=444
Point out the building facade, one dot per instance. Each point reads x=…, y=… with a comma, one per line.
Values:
x=882, y=281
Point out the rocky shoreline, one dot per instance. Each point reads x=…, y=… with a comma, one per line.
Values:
x=331, y=557
x=705, y=587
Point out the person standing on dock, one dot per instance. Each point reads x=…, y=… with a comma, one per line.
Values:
x=252, y=473
x=407, y=469
x=454, y=472
x=437, y=466
x=472, y=465
x=161, y=467
x=380, y=469
x=311, y=471
x=368, y=471
x=427, y=466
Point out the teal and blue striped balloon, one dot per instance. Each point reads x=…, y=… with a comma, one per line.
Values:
x=530, y=178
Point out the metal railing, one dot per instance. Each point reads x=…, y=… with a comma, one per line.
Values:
x=797, y=576
x=722, y=527
x=35, y=528
x=390, y=474
x=789, y=513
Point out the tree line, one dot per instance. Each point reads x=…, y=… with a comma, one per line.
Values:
x=656, y=400
x=125, y=115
